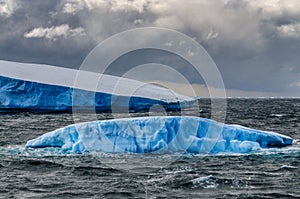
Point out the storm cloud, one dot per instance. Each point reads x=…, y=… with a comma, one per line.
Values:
x=255, y=44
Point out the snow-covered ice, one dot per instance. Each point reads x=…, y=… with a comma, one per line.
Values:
x=159, y=134
x=41, y=88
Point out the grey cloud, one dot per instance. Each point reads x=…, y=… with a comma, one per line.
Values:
x=254, y=43
x=290, y=30
x=7, y=7
x=32, y=15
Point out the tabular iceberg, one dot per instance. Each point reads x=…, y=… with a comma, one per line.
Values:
x=44, y=88
x=159, y=135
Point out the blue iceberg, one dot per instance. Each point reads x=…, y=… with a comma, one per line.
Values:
x=159, y=134
x=44, y=88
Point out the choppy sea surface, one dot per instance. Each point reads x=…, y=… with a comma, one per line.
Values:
x=49, y=173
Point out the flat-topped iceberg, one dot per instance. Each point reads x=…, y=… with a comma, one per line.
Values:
x=44, y=88
x=159, y=135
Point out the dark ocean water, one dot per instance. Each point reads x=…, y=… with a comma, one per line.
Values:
x=48, y=173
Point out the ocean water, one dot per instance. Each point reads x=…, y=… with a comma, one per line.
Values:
x=49, y=173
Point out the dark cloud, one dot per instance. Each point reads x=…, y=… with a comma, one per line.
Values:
x=32, y=14
x=255, y=44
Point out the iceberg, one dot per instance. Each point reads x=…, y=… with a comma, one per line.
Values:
x=45, y=88
x=159, y=134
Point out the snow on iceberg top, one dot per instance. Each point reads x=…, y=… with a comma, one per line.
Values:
x=67, y=77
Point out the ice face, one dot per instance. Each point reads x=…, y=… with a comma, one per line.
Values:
x=159, y=135
x=44, y=88
x=31, y=96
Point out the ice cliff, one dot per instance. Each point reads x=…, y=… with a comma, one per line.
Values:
x=44, y=88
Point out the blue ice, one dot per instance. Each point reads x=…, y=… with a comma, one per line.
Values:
x=37, y=97
x=46, y=88
x=159, y=134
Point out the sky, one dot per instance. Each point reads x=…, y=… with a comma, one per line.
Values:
x=255, y=44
